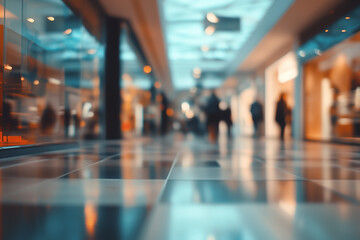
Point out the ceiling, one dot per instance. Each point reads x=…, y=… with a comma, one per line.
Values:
x=174, y=37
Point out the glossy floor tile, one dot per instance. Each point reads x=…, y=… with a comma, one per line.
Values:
x=183, y=188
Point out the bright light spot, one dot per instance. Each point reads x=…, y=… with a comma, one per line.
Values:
x=327, y=30
x=185, y=106
x=223, y=105
x=317, y=52
x=343, y=30
x=211, y=17
x=157, y=84
x=68, y=31
x=347, y=18
x=210, y=30
x=302, y=53
x=30, y=20
x=22, y=78
x=147, y=69
x=169, y=112
x=36, y=82
x=205, y=48
x=8, y=67
x=91, y=51
x=51, y=18
x=189, y=114
x=33, y=108
x=54, y=81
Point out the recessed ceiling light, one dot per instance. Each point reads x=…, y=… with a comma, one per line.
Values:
x=343, y=30
x=211, y=17
x=36, y=82
x=327, y=30
x=347, y=18
x=68, y=31
x=147, y=69
x=51, y=18
x=30, y=20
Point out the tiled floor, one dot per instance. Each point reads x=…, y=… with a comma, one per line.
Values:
x=183, y=189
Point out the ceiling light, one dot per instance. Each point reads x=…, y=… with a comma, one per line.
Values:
x=343, y=30
x=22, y=78
x=36, y=82
x=326, y=30
x=30, y=20
x=211, y=17
x=51, y=18
x=54, y=81
x=91, y=51
x=8, y=67
x=68, y=31
x=347, y=18
x=205, y=48
x=210, y=30
x=147, y=69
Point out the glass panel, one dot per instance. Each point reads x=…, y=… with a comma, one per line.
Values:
x=51, y=75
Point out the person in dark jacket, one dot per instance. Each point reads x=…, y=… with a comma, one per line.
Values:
x=257, y=115
x=212, y=111
x=281, y=114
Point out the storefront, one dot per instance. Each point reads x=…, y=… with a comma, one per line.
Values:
x=279, y=80
x=331, y=74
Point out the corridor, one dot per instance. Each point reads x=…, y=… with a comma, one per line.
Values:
x=183, y=188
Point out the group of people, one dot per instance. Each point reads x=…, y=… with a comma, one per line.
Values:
x=214, y=115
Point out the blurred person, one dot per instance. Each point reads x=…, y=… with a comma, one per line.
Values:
x=9, y=121
x=257, y=115
x=48, y=120
x=212, y=112
x=164, y=117
x=226, y=117
x=67, y=119
x=281, y=114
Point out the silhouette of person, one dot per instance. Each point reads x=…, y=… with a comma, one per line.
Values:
x=212, y=111
x=281, y=114
x=48, y=120
x=164, y=118
x=257, y=115
x=227, y=119
x=9, y=121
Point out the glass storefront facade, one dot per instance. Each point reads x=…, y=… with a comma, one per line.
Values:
x=332, y=81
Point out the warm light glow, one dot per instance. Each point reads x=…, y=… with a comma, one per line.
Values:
x=347, y=18
x=90, y=217
x=189, y=114
x=185, y=106
x=205, y=48
x=147, y=69
x=211, y=17
x=157, y=84
x=197, y=71
x=36, y=82
x=30, y=20
x=343, y=30
x=68, y=31
x=127, y=78
x=169, y=112
x=54, y=81
x=51, y=18
x=22, y=78
x=8, y=67
x=91, y=51
x=210, y=30
x=327, y=30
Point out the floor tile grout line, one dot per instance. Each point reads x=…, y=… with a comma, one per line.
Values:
x=59, y=177
x=167, y=177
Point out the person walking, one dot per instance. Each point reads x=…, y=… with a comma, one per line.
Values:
x=257, y=115
x=281, y=114
x=212, y=111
